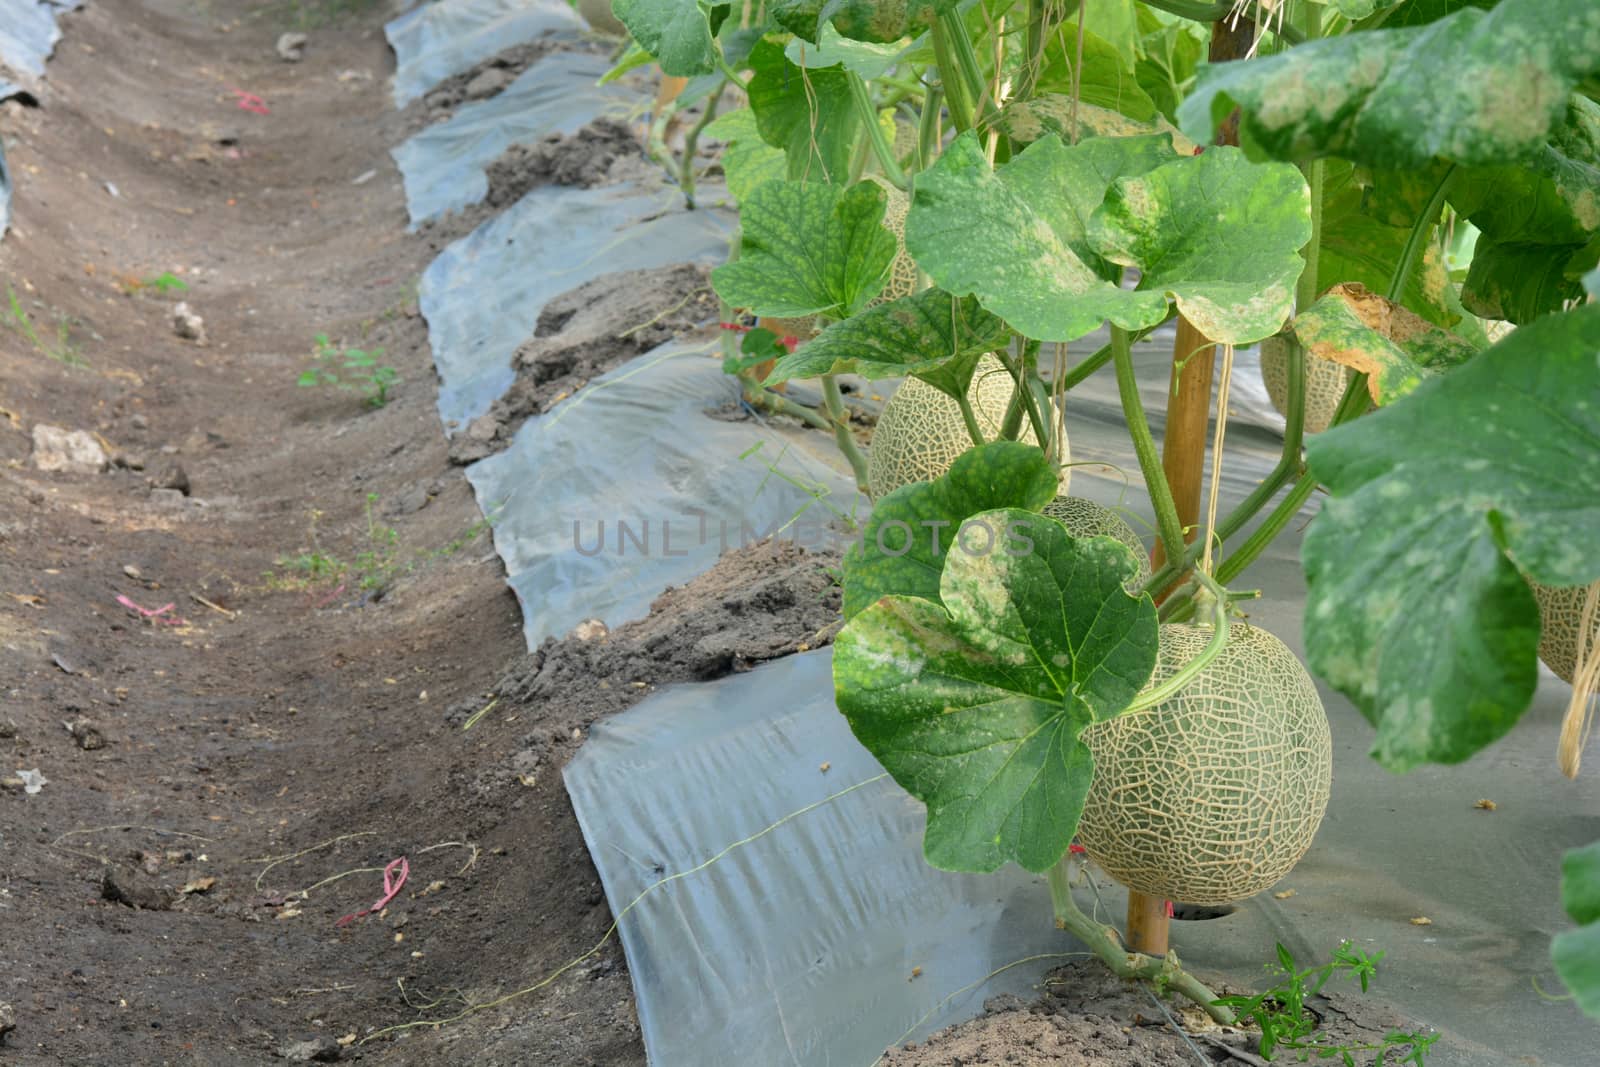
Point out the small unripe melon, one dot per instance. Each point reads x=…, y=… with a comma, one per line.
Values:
x=1325, y=383
x=1215, y=794
x=1085, y=518
x=921, y=432
x=1561, y=621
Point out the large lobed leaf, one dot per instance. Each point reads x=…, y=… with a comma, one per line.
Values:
x=1475, y=88
x=1418, y=607
x=1040, y=240
x=676, y=32
x=808, y=248
x=975, y=705
x=748, y=162
x=922, y=335
x=903, y=549
x=807, y=113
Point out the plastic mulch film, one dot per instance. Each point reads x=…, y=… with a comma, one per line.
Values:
x=797, y=947
x=443, y=166
x=630, y=486
x=28, y=34
x=483, y=294
x=440, y=39
x=800, y=947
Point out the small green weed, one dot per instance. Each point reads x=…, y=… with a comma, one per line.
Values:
x=62, y=348
x=354, y=370
x=381, y=560
x=1280, y=1012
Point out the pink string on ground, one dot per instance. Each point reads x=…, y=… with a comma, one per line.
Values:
x=155, y=615
x=391, y=886
x=251, y=102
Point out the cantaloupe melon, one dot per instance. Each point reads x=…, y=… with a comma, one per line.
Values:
x=1085, y=518
x=920, y=432
x=1325, y=383
x=903, y=271
x=1561, y=619
x=1215, y=794
x=597, y=13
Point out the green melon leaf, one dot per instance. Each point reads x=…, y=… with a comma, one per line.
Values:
x=1417, y=608
x=1016, y=236
x=1218, y=235
x=909, y=534
x=1362, y=245
x=1107, y=78
x=1474, y=87
x=807, y=113
x=1576, y=953
x=747, y=161
x=676, y=32
x=861, y=57
x=883, y=21
x=1396, y=349
x=919, y=335
x=808, y=249
x=1171, y=52
x=1025, y=121
x=975, y=705
x=1538, y=222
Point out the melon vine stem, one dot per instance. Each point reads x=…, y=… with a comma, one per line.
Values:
x=1144, y=446
x=955, y=90
x=691, y=142
x=839, y=419
x=869, y=118
x=1105, y=943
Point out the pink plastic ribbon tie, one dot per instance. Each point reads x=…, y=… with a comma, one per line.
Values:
x=156, y=615
x=392, y=882
x=251, y=102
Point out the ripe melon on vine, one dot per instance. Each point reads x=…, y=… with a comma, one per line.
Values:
x=1214, y=794
x=1085, y=518
x=921, y=432
x=1561, y=623
x=1325, y=383
x=903, y=271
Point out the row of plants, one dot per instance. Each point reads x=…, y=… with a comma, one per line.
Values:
x=1399, y=200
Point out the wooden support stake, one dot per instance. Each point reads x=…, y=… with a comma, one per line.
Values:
x=1183, y=454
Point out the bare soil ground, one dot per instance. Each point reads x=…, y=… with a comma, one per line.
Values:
x=228, y=778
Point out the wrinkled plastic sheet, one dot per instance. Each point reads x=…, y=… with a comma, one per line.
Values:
x=796, y=948
x=635, y=451
x=444, y=165
x=28, y=34
x=440, y=39
x=482, y=295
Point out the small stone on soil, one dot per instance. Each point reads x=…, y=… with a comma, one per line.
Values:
x=8, y=1020
x=322, y=1049
x=489, y=83
x=70, y=452
x=86, y=734
x=292, y=47
x=171, y=476
x=187, y=325
x=125, y=887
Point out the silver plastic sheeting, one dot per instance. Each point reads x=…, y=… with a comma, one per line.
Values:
x=629, y=487
x=443, y=166
x=28, y=34
x=448, y=37
x=796, y=948
x=483, y=294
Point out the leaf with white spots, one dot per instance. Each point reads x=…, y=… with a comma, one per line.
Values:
x=1041, y=240
x=1418, y=608
x=975, y=705
x=1475, y=87
x=676, y=32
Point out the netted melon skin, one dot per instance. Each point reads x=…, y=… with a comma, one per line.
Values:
x=903, y=271
x=1561, y=619
x=1085, y=518
x=1215, y=794
x=920, y=431
x=1325, y=383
